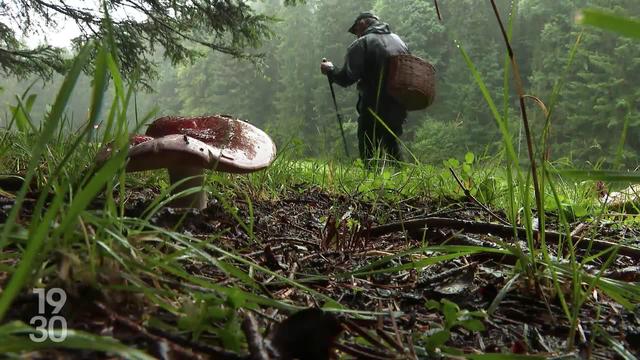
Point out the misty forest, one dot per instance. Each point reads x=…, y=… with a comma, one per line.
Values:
x=508, y=229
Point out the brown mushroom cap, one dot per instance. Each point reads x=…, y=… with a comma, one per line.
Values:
x=238, y=146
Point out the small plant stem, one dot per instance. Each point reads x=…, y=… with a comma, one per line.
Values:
x=525, y=120
x=467, y=193
x=255, y=342
x=435, y=3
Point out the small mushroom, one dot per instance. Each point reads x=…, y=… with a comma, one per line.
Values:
x=618, y=200
x=187, y=146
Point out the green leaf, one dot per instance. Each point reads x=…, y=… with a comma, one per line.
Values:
x=30, y=101
x=332, y=304
x=432, y=305
x=472, y=325
x=607, y=21
x=20, y=114
x=231, y=335
x=438, y=338
x=450, y=311
x=452, y=351
x=236, y=299
x=579, y=211
x=469, y=157
x=466, y=168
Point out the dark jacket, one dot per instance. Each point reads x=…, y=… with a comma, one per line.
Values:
x=365, y=62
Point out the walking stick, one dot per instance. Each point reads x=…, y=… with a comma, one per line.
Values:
x=344, y=139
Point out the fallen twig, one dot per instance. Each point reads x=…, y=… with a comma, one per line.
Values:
x=629, y=274
x=255, y=342
x=579, y=229
x=446, y=275
x=497, y=229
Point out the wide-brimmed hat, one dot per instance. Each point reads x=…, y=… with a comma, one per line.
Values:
x=363, y=15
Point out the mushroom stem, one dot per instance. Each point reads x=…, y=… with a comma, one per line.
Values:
x=196, y=177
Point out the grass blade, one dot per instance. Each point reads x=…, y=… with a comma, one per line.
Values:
x=51, y=124
x=13, y=341
x=604, y=175
x=607, y=21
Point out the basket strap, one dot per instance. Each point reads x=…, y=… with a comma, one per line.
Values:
x=379, y=90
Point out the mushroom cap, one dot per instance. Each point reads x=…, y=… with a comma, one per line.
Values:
x=105, y=152
x=136, y=139
x=171, y=151
x=238, y=146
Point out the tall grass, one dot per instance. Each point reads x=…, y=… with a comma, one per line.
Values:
x=538, y=253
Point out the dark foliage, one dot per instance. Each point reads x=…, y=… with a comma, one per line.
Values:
x=180, y=29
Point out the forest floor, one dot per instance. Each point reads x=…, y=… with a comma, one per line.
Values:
x=313, y=238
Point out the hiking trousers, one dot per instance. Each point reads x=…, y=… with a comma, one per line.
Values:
x=374, y=140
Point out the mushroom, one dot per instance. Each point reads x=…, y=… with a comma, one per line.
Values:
x=618, y=200
x=187, y=146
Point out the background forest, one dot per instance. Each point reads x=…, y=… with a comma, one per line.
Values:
x=597, y=113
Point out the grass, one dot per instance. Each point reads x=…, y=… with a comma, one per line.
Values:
x=112, y=243
x=78, y=235
x=537, y=246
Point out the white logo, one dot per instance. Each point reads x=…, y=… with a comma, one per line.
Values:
x=55, y=327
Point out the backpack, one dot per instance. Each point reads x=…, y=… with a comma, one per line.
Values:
x=411, y=81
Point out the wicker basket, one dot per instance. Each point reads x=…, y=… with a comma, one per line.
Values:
x=411, y=81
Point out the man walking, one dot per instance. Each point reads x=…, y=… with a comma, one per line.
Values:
x=365, y=63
